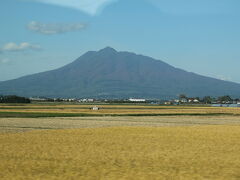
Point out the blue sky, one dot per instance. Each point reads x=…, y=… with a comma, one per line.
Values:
x=201, y=36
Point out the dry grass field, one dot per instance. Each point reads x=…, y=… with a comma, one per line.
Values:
x=28, y=124
x=152, y=142
x=193, y=152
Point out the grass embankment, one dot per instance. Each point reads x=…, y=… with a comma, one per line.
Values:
x=200, y=152
x=38, y=115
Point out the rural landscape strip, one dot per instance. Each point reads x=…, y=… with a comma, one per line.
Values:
x=42, y=108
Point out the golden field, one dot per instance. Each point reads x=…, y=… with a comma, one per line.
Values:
x=193, y=152
x=42, y=141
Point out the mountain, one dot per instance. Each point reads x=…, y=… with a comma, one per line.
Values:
x=111, y=74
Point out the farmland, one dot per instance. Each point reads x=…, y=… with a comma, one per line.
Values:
x=59, y=141
x=43, y=123
x=205, y=152
x=68, y=110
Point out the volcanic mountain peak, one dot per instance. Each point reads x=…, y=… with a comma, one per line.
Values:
x=108, y=49
x=108, y=73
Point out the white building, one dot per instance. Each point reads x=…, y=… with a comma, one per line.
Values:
x=95, y=108
x=137, y=100
x=86, y=100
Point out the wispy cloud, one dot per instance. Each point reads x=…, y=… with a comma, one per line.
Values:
x=49, y=29
x=91, y=7
x=4, y=61
x=11, y=47
x=193, y=6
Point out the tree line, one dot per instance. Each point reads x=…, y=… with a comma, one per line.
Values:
x=209, y=99
x=14, y=99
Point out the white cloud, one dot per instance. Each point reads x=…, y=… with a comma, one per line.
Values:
x=49, y=29
x=91, y=7
x=19, y=47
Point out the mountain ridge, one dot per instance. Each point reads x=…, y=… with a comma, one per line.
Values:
x=108, y=73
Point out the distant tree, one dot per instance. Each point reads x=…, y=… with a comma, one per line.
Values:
x=14, y=99
x=182, y=96
x=224, y=99
x=207, y=100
